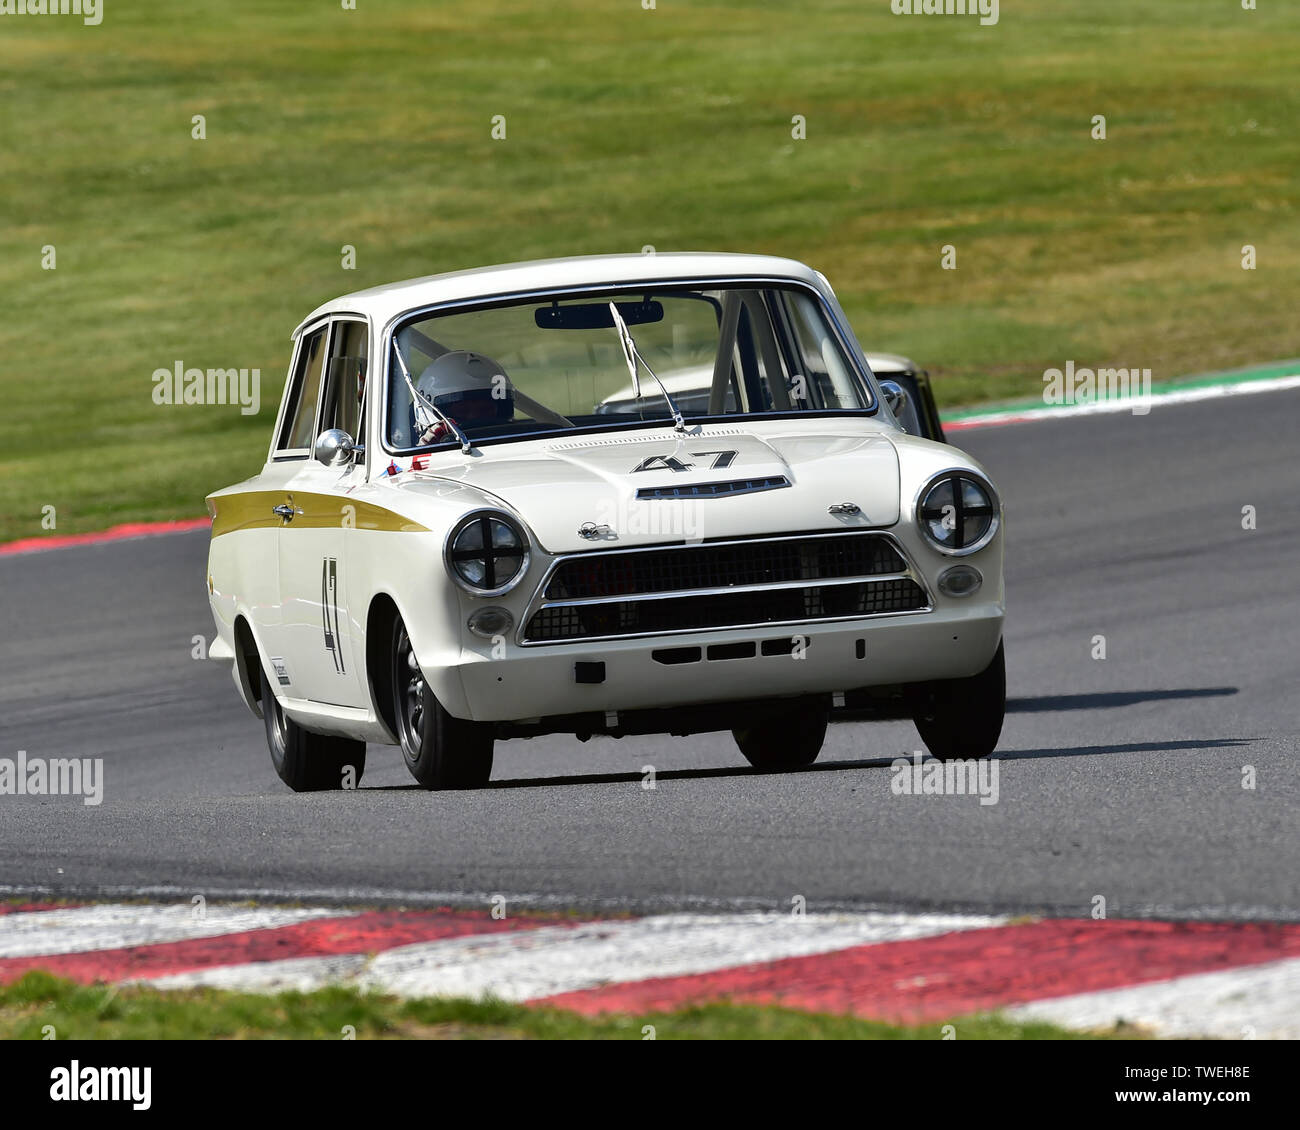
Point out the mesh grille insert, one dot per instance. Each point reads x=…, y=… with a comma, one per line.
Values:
x=759, y=562
x=715, y=610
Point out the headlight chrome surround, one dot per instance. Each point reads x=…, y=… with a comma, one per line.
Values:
x=959, y=483
x=493, y=530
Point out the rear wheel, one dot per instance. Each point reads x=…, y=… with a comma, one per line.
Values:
x=787, y=740
x=441, y=752
x=962, y=718
x=308, y=762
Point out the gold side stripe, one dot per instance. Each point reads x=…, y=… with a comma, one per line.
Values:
x=254, y=510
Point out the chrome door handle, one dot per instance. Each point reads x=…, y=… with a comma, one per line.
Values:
x=285, y=511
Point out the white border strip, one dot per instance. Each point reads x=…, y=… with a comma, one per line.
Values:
x=527, y=964
x=43, y=933
x=1251, y=1002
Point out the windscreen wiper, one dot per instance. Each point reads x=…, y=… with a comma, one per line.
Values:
x=631, y=354
x=423, y=406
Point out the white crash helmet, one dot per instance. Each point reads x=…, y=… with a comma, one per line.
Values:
x=469, y=387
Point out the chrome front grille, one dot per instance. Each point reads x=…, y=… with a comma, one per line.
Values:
x=748, y=582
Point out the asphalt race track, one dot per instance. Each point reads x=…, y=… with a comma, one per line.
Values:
x=1119, y=777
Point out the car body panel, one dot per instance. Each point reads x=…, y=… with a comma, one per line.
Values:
x=305, y=587
x=922, y=417
x=562, y=485
x=384, y=304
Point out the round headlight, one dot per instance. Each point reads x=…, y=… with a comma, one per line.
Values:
x=957, y=513
x=487, y=553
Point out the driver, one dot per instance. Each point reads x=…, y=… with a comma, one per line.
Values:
x=468, y=387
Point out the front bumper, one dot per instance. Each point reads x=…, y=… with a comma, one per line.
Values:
x=530, y=683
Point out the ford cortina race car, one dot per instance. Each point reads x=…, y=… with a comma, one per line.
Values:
x=611, y=495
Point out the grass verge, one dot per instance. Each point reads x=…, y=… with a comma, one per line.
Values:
x=675, y=127
x=41, y=1006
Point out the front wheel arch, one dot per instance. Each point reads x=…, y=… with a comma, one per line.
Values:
x=962, y=718
x=381, y=617
x=248, y=665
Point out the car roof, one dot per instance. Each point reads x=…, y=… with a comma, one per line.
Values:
x=383, y=303
x=890, y=363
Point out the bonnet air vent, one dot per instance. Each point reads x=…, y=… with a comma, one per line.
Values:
x=715, y=490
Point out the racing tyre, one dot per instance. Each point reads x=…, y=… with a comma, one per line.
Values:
x=308, y=762
x=962, y=718
x=441, y=752
x=785, y=741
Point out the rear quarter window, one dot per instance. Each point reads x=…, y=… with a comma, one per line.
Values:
x=304, y=393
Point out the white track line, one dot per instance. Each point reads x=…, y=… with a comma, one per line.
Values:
x=538, y=963
x=1251, y=1002
x=88, y=928
x=1103, y=407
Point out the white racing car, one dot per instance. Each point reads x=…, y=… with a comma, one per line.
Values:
x=609, y=495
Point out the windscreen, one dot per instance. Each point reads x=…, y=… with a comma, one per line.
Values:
x=572, y=363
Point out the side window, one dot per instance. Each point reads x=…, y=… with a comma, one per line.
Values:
x=830, y=383
x=345, y=378
x=300, y=413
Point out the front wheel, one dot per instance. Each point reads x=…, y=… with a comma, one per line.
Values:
x=441, y=752
x=308, y=762
x=962, y=718
x=789, y=740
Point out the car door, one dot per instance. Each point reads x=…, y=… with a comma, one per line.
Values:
x=921, y=417
x=244, y=556
x=265, y=501
x=318, y=635
x=929, y=410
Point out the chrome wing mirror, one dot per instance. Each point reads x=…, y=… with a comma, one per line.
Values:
x=334, y=447
x=895, y=397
